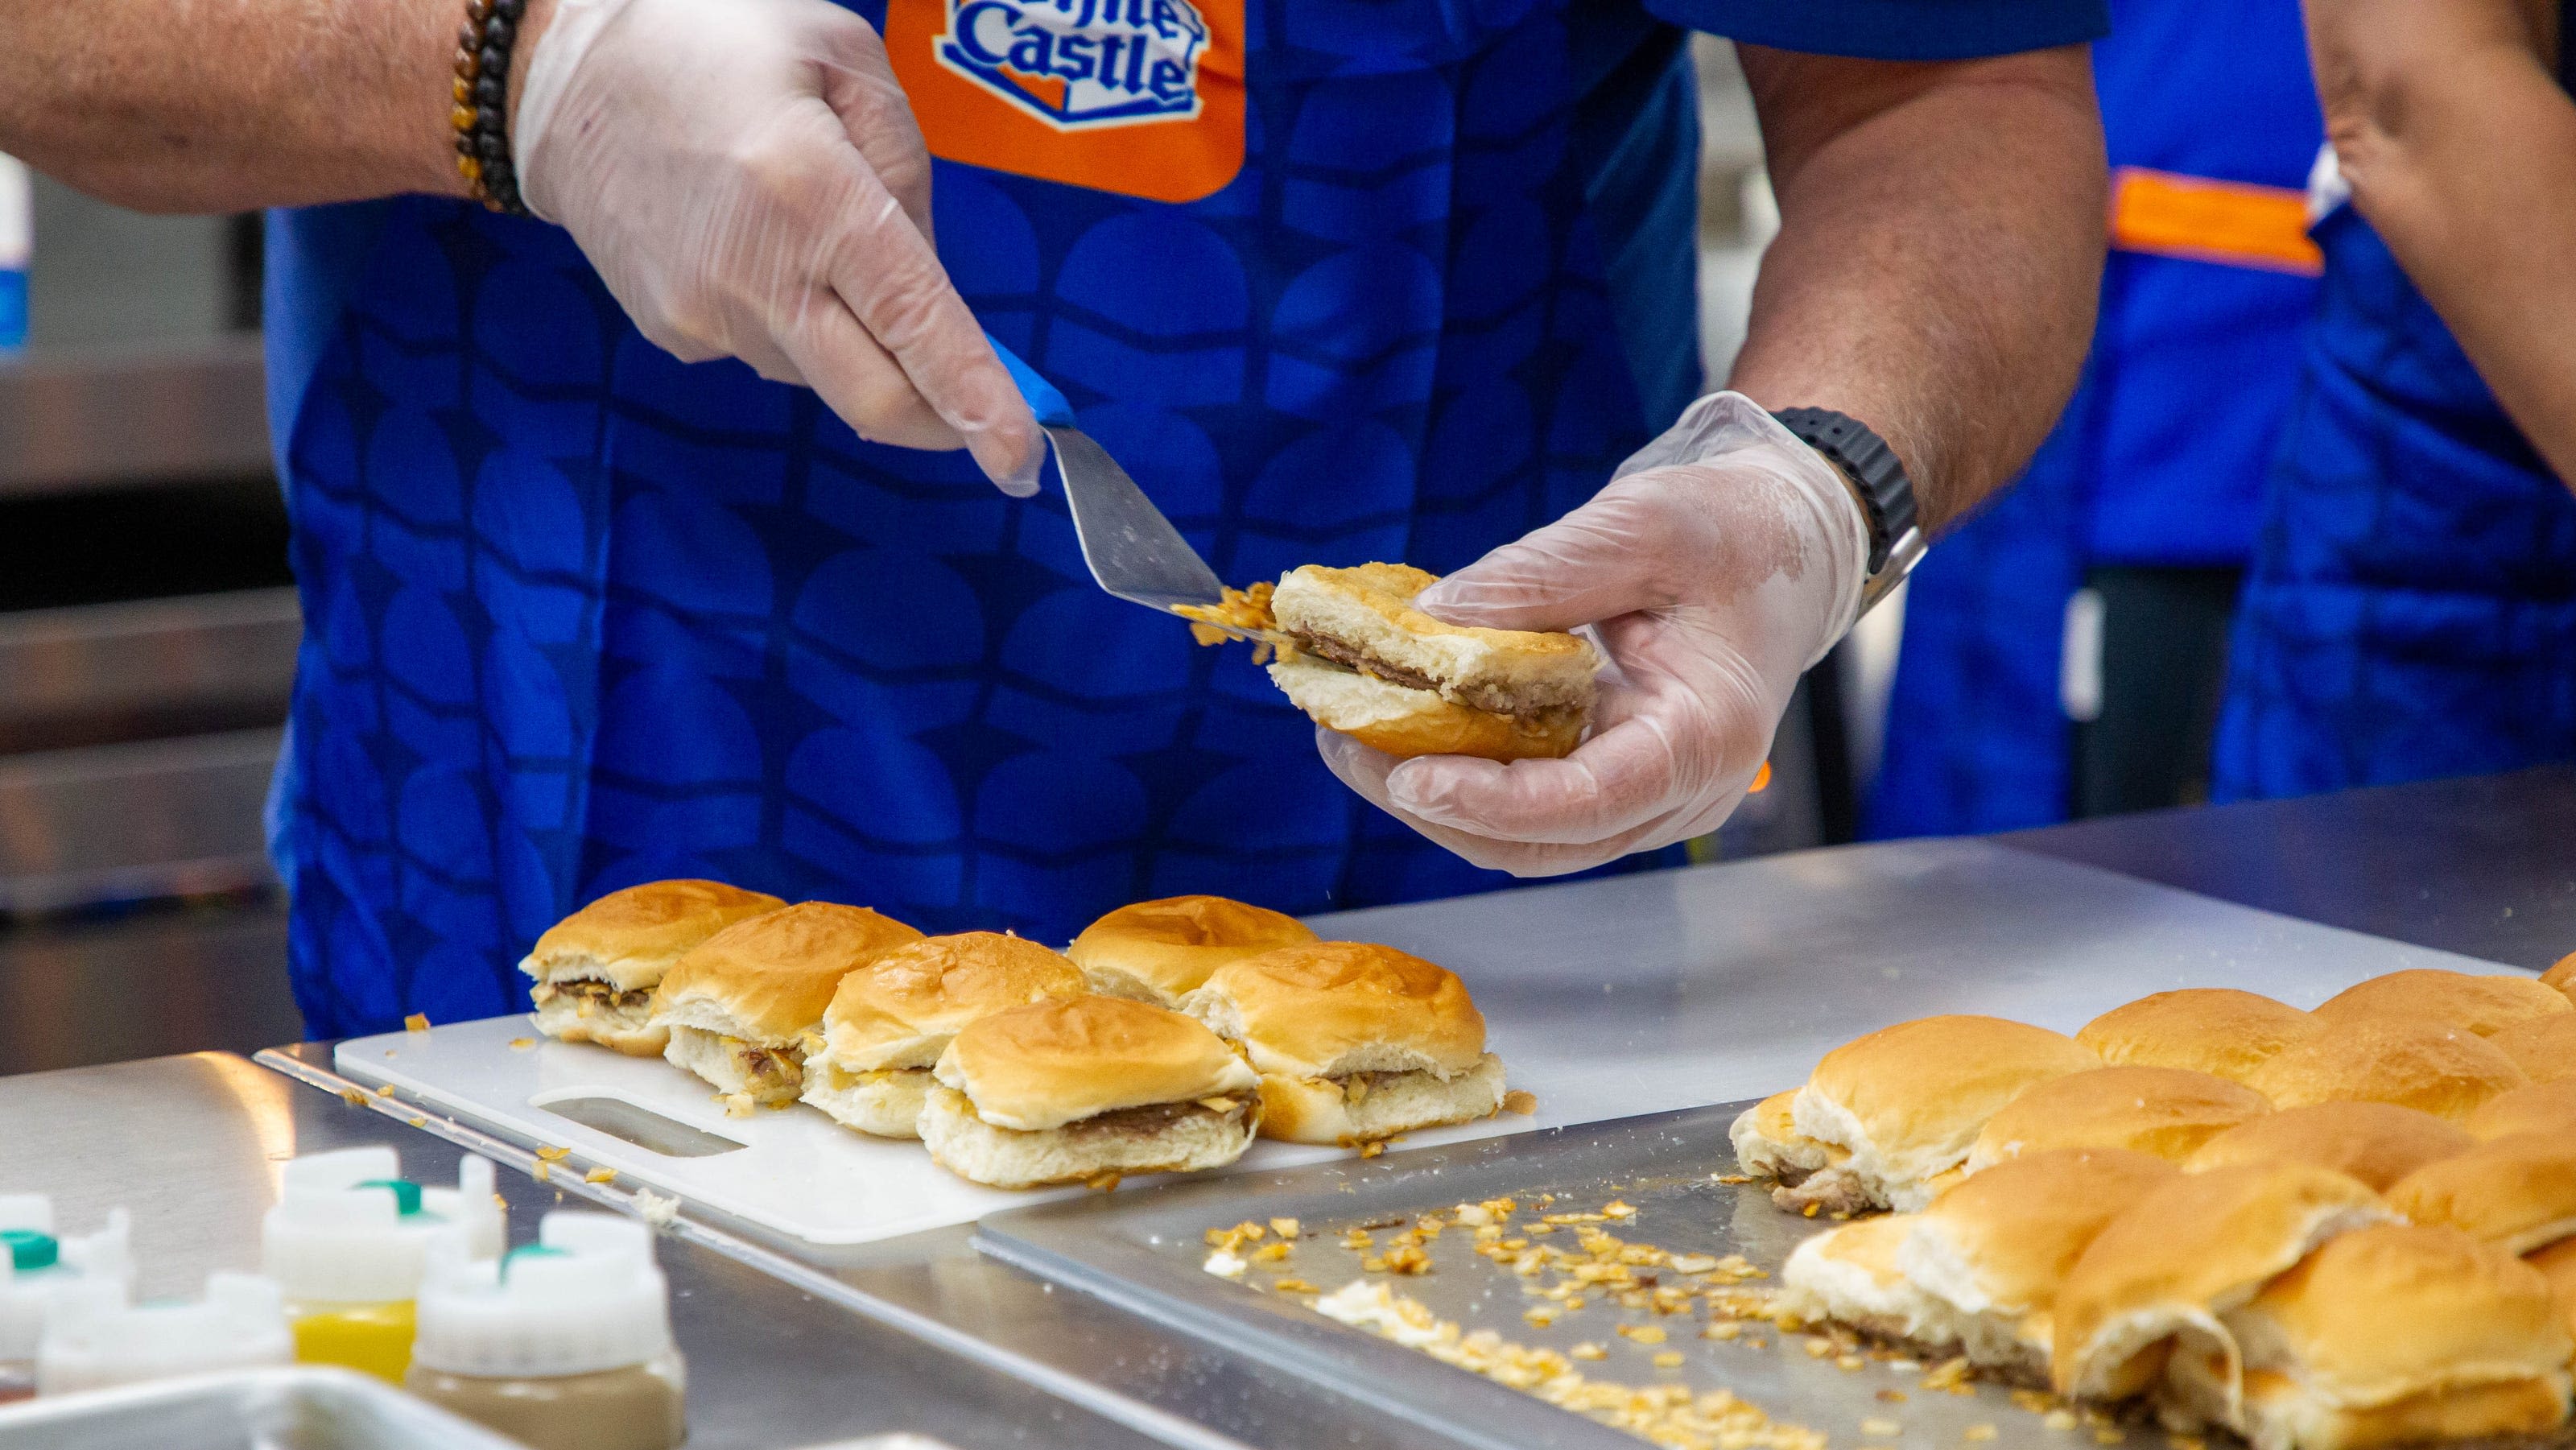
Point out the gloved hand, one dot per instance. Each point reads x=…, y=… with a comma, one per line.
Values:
x=1720, y=563
x=748, y=179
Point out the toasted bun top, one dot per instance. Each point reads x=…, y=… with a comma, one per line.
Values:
x=2481, y=1003
x=2018, y=1227
x=2562, y=976
x=2377, y=1143
x=2543, y=1047
x=1052, y=1063
x=900, y=1009
x=1367, y=614
x=2519, y=1192
x=2200, y=1241
x=1936, y=1080
x=1171, y=945
x=2216, y=1030
x=2398, y=1309
x=2446, y=1071
x=1332, y=1008
x=768, y=979
x=2164, y=1111
x=2548, y=1107
x=629, y=938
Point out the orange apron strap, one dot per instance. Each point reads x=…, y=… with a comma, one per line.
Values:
x=2230, y=222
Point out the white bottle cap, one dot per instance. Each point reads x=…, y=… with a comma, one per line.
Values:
x=94, y=1339
x=103, y=1261
x=586, y=1298
x=347, y=1229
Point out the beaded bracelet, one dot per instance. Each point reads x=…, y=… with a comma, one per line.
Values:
x=482, y=91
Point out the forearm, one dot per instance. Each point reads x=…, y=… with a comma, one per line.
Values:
x=2461, y=153
x=1939, y=255
x=228, y=105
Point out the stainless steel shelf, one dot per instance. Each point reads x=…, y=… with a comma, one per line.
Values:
x=98, y=673
x=95, y=421
x=114, y=823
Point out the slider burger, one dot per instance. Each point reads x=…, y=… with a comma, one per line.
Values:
x=2548, y=1107
x=1769, y=1145
x=2544, y=1047
x=2393, y=1334
x=596, y=969
x=1354, y=1042
x=1849, y=1274
x=2377, y=1143
x=2165, y=1112
x=1365, y=662
x=740, y=1004
x=2441, y=1069
x=2518, y=1193
x=1085, y=1089
x=2483, y=1004
x=1907, y=1102
x=2153, y=1285
x=1154, y=951
x=1995, y=1248
x=869, y=1068
x=2216, y=1030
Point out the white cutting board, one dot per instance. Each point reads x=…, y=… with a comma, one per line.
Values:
x=1607, y=999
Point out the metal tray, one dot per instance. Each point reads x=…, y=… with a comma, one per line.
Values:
x=271, y=1409
x=1146, y=1253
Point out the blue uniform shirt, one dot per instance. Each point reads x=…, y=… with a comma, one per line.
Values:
x=578, y=615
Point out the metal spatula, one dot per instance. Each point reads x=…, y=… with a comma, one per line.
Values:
x=1134, y=552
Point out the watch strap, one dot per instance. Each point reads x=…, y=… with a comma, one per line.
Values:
x=1886, y=494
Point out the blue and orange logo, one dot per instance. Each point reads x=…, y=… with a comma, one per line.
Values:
x=1140, y=97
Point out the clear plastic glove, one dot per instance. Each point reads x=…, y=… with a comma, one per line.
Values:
x=748, y=179
x=1721, y=562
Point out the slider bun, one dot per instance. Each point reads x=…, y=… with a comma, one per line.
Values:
x=768, y=979
x=2562, y=976
x=1850, y=1275
x=1320, y=1110
x=2557, y=1264
x=2548, y=1107
x=2481, y=1003
x=972, y=1148
x=884, y=1104
x=2167, y=1112
x=2544, y=1047
x=1333, y=1008
x=2216, y=1030
x=2368, y=1337
x=1908, y=1100
x=901, y=1008
x=2003, y=1241
x=1768, y=1143
x=1051, y=1063
x=629, y=938
x=2444, y=1070
x=2185, y=1252
x=2518, y=1193
x=1406, y=722
x=2377, y=1143
x=1370, y=610
x=1156, y=950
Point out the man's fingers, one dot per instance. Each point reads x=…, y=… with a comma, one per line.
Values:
x=860, y=87
x=860, y=381
x=900, y=293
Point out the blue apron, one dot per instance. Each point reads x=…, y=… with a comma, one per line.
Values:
x=578, y=615
x=2411, y=611
x=2160, y=456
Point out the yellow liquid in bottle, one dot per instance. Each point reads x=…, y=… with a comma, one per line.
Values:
x=372, y=1338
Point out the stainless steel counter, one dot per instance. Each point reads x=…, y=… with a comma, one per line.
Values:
x=191, y=1145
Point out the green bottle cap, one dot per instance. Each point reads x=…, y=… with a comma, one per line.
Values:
x=29, y=1249
x=406, y=1193
x=527, y=1251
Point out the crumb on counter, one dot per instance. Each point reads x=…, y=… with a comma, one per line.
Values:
x=1225, y=1265
x=1286, y=1228
x=1979, y=1432
x=655, y=1208
x=416, y=1022
x=554, y=1155
x=736, y=1105
x=1881, y=1429
x=522, y=1044
x=1669, y=1359
x=600, y=1175
x=2059, y=1419
x=1105, y=1183
x=1521, y=1101
x=353, y=1097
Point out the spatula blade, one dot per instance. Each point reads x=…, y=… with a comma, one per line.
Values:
x=1134, y=552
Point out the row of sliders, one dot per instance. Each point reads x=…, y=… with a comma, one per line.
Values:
x=2322, y=1230
x=1165, y=1039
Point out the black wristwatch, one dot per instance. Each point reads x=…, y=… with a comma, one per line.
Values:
x=1878, y=481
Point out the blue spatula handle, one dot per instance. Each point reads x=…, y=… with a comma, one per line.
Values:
x=1052, y=410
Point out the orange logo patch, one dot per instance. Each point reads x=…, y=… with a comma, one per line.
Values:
x=1139, y=97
